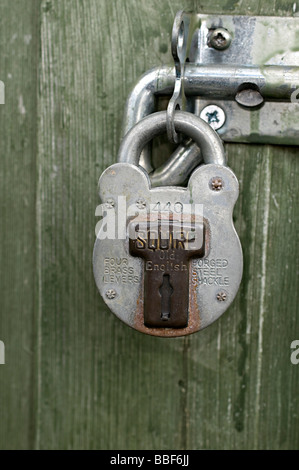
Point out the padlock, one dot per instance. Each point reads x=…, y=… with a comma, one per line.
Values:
x=170, y=263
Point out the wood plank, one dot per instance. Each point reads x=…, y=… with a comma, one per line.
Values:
x=100, y=384
x=241, y=380
x=19, y=39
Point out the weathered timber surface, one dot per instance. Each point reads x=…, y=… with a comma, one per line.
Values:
x=75, y=377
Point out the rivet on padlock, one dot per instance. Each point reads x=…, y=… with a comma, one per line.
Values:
x=171, y=273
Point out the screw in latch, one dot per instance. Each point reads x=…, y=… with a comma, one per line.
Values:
x=110, y=294
x=219, y=39
x=216, y=184
x=213, y=115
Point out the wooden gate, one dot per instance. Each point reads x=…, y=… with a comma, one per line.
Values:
x=75, y=377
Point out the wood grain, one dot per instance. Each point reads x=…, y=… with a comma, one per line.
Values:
x=90, y=382
x=19, y=39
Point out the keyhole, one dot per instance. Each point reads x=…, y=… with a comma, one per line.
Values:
x=166, y=291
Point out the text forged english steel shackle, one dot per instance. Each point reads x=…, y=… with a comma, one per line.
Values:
x=175, y=262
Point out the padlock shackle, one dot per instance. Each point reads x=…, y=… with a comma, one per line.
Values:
x=151, y=126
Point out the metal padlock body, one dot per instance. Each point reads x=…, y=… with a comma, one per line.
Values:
x=214, y=279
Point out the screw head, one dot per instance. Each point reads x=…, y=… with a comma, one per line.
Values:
x=221, y=296
x=110, y=294
x=110, y=203
x=213, y=115
x=216, y=184
x=141, y=204
x=219, y=39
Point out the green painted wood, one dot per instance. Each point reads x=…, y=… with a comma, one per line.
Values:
x=90, y=382
x=19, y=43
